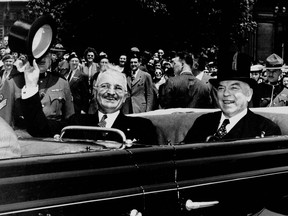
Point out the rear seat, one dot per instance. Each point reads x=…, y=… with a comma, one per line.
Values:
x=173, y=124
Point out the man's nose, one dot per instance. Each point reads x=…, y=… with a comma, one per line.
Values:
x=226, y=92
x=111, y=90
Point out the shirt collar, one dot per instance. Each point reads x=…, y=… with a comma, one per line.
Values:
x=200, y=75
x=111, y=117
x=233, y=120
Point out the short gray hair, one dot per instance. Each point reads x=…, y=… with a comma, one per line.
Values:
x=111, y=69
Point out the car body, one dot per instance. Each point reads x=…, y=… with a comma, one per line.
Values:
x=57, y=176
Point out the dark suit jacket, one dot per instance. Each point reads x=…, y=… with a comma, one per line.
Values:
x=38, y=125
x=80, y=91
x=184, y=91
x=250, y=126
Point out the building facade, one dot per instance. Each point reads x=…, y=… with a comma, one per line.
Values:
x=10, y=11
x=271, y=33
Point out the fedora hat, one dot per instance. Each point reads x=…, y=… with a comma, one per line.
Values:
x=32, y=38
x=274, y=62
x=233, y=66
x=257, y=68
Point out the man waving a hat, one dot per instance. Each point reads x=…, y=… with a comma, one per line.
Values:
x=272, y=93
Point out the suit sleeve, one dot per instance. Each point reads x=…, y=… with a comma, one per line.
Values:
x=149, y=93
x=69, y=106
x=35, y=120
x=166, y=94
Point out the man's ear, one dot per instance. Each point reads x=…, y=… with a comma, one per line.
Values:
x=250, y=94
x=126, y=95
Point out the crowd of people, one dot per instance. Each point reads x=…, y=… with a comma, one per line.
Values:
x=79, y=89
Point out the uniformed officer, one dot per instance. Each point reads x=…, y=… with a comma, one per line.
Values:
x=272, y=92
x=54, y=90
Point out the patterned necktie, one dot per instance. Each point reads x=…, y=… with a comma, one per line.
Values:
x=221, y=132
x=103, y=123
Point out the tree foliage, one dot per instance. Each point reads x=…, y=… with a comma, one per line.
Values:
x=181, y=23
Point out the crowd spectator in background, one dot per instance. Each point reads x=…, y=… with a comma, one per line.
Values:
x=2, y=53
x=256, y=72
x=15, y=55
x=21, y=62
x=5, y=43
x=285, y=81
x=10, y=86
x=150, y=67
x=184, y=89
x=200, y=72
x=90, y=66
x=161, y=55
x=59, y=62
x=158, y=78
x=140, y=89
x=122, y=62
x=78, y=83
x=272, y=92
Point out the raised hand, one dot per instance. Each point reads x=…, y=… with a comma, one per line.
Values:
x=31, y=74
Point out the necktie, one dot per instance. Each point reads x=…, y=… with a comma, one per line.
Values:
x=69, y=76
x=103, y=123
x=133, y=76
x=221, y=132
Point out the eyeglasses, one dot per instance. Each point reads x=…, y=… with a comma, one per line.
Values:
x=106, y=86
x=90, y=55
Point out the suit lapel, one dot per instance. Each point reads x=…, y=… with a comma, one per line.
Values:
x=137, y=78
x=241, y=128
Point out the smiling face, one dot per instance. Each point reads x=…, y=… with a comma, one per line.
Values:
x=8, y=64
x=74, y=63
x=233, y=96
x=111, y=91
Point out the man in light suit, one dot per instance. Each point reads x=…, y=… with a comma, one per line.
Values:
x=111, y=93
x=234, y=92
x=140, y=89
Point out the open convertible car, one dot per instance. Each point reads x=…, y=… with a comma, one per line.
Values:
x=57, y=176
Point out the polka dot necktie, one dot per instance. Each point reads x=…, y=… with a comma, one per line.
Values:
x=221, y=132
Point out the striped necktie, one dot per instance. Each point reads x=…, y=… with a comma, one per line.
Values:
x=103, y=122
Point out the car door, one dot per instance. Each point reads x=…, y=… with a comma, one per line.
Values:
x=156, y=170
x=232, y=178
x=104, y=182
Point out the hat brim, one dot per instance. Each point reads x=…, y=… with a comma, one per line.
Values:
x=251, y=82
x=274, y=68
x=57, y=50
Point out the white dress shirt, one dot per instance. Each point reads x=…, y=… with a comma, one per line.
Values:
x=111, y=117
x=233, y=120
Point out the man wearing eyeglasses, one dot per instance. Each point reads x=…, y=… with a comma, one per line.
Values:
x=111, y=93
x=272, y=92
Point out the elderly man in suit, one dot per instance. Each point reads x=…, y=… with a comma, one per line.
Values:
x=235, y=120
x=111, y=93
